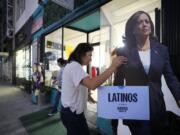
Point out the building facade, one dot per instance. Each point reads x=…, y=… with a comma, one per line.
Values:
x=46, y=30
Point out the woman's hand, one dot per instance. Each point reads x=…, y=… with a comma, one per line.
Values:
x=118, y=61
x=114, y=52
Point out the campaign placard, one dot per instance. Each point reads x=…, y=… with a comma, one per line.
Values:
x=123, y=102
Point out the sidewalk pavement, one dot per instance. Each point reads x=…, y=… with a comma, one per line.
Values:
x=14, y=103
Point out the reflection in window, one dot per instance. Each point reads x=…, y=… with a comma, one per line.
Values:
x=53, y=51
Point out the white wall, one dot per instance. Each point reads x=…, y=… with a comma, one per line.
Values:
x=30, y=7
x=169, y=99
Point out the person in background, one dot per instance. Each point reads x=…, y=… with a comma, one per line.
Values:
x=75, y=85
x=148, y=60
x=37, y=78
x=57, y=80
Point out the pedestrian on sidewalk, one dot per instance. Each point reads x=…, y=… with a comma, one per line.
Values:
x=37, y=79
x=57, y=80
x=75, y=85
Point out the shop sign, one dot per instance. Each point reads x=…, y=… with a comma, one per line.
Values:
x=128, y=102
x=37, y=24
x=69, y=4
x=53, y=45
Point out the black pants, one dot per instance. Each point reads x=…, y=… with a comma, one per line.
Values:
x=75, y=123
x=141, y=128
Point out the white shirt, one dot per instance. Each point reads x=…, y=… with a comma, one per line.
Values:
x=145, y=59
x=59, y=77
x=73, y=94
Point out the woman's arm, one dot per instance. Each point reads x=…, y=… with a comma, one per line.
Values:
x=93, y=83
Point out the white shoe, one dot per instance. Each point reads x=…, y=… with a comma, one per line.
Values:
x=51, y=114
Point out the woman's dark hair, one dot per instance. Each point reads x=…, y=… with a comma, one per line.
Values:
x=129, y=38
x=62, y=61
x=79, y=52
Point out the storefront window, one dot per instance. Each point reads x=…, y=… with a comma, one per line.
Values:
x=71, y=39
x=34, y=52
x=23, y=69
x=53, y=51
x=94, y=37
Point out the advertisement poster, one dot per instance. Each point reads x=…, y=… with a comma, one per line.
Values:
x=123, y=102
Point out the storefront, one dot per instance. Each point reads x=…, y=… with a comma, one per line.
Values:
x=23, y=49
x=53, y=51
x=61, y=42
x=23, y=69
x=36, y=32
x=102, y=27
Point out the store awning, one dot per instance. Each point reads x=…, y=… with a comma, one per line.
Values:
x=86, y=23
x=82, y=13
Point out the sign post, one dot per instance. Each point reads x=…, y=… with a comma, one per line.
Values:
x=123, y=102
